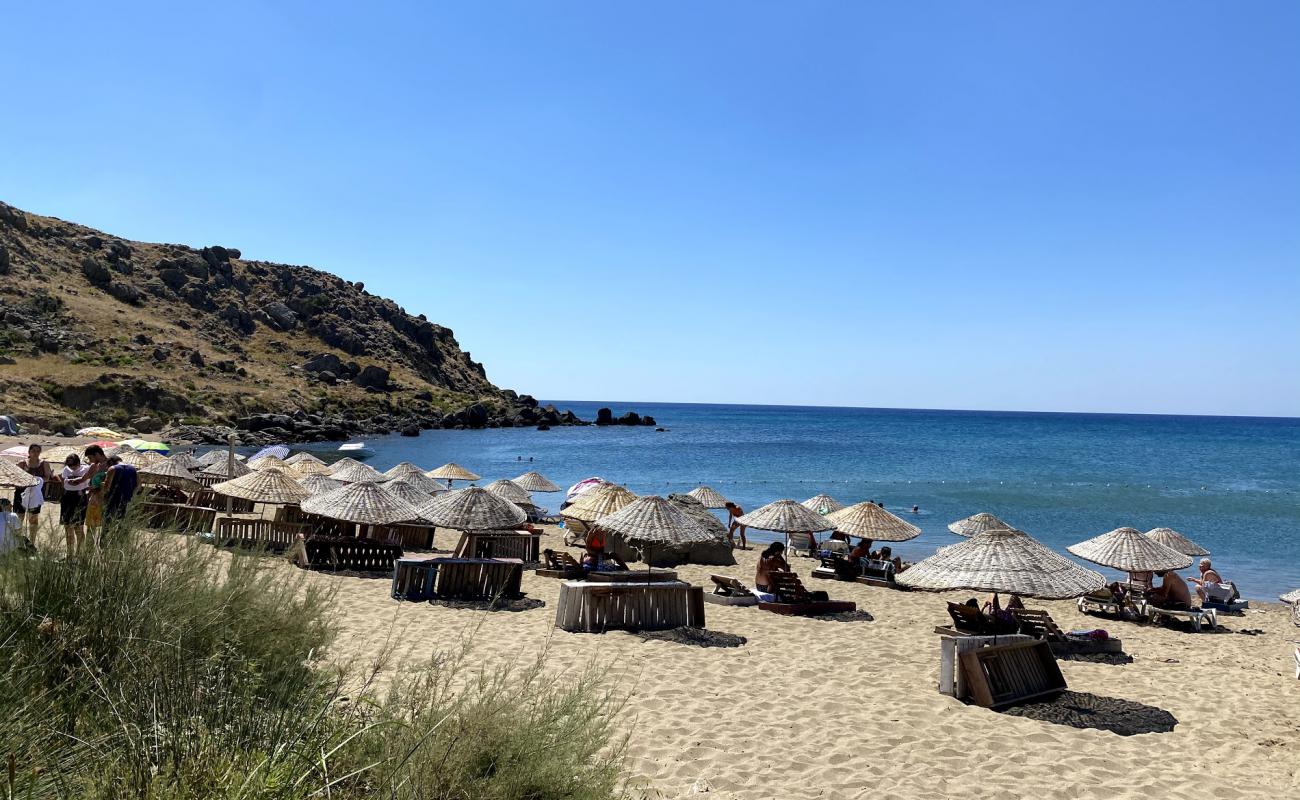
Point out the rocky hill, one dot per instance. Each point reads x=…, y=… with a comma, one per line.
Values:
x=97, y=330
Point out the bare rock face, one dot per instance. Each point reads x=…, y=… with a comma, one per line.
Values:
x=372, y=377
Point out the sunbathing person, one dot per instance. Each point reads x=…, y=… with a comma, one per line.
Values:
x=1211, y=586
x=769, y=561
x=1172, y=593
x=597, y=560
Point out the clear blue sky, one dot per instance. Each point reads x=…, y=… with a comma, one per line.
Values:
x=1047, y=206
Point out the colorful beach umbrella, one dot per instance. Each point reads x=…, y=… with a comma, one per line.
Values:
x=278, y=450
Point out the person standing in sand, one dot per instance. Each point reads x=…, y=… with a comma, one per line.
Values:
x=72, y=505
x=28, y=502
x=734, y=512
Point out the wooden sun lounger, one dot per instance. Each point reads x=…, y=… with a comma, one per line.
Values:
x=1039, y=624
x=728, y=591
x=1103, y=603
x=1011, y=673
x=793, y=598
x=973, y=622
x=559, y=564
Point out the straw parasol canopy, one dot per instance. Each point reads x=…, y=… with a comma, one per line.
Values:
x=363, y=502
x=785, y=516
x=599, y=502
x=1176, y=541
x=266, y=462
x=186, y=460
x=422, y=482
x=134, y=459
x=1291, y=598
x=652, y=520
x=402, y=469
x=11, y=475
x=708, y=497
x=319, y=484
x=509, y=490
x=217, y=457
x=472, y=509
x=978, y=523
x=535, y=482
x=305, y=468
x=407, y=492
x=452, y=472
x=222, y=469
x=169, y=473
x=342, y=464
x=358, y=473
x=823, y=504
x=870, y=521
x=1126, y=549
x=1005, y=560
x=696, y=509
x=59, y=454
x=269, y=485
x=302, y=458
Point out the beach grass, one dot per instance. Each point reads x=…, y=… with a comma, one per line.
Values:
x=160, y=667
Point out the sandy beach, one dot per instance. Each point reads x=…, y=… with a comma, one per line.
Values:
x=823, y=709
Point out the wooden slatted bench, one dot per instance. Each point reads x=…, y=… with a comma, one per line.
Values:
x=187, y=518
x=457, y=578
x=598, y=607
x=500, y=544
x=1011, y=673
x=361, y=555
x=258, y=534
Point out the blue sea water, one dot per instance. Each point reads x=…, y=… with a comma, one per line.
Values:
x=1230, y=483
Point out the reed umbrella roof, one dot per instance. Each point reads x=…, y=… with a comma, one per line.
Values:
x=222, y=469
x=11, y=475
x=599, y=502
x=364, y=502
x=1006, y=560
x=270, y=485
x=302, y=458
x=422, y=482
x=342, y=464
x=266, y=462
x=822, y=504
x=978, y=523
x=535, y=482
x=218, y=457
x=1176, y=541
x=452, y=472
x=1291, y=597
x=317, y=483
x=358, y=473
x=1128, y=550
x=59, y=454
x=186, y=460
x=135, y=459
x=652, y=520
x=402, y=469
x=695, y=508
x=472, y=509
x=870, y=521
x=785, y=516
x=305, y=468
x=169, y=473
x=509, y=490
x=708, y=497
x=410, y=494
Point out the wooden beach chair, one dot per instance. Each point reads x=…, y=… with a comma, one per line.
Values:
x=1007, y=674
x=559, y=564
x=1103, y=602
x=971, y=621
x=1039, y=624
x=793, y=598
x=729, y=591
x=837, y=568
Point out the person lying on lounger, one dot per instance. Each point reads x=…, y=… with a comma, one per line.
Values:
x=597, y=560
x=770, y=560
x=1172, y=593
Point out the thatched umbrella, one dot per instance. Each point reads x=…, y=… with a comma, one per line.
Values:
x=223, y=469
x=708, y=497
x=342, y=464
x=363, y=502
x=1176, y=541
x=187, y=460
x=319, y=484
x=978, y=523
x=509, y=490
x=452, y=472
x=410, y=494
x=869, y=521
x=1007, y=561
x=785, y=516
x=822, y=504
x=422, y=482
x=472, y=509
x=217, y=457
x=693, y=507
x=169, y=473
x=11, y=475
x=135, y=459
x=1127, y=550
x=267, y=462
x=402, y=470
x=652, y=520
x=302, y=458
x=305, y=468
x=599, y=502
x=357, y=473
x=1290, y=598
x=270, y=485
x=535, y=482
x=59, y=454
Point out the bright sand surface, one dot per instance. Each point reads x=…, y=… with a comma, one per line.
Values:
x=825, y=709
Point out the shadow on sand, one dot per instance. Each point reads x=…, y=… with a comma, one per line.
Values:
x=1084, y=710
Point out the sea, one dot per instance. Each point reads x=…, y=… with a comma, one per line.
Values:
x=1232, y=484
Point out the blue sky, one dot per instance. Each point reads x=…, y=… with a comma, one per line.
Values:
x=1041, y=206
